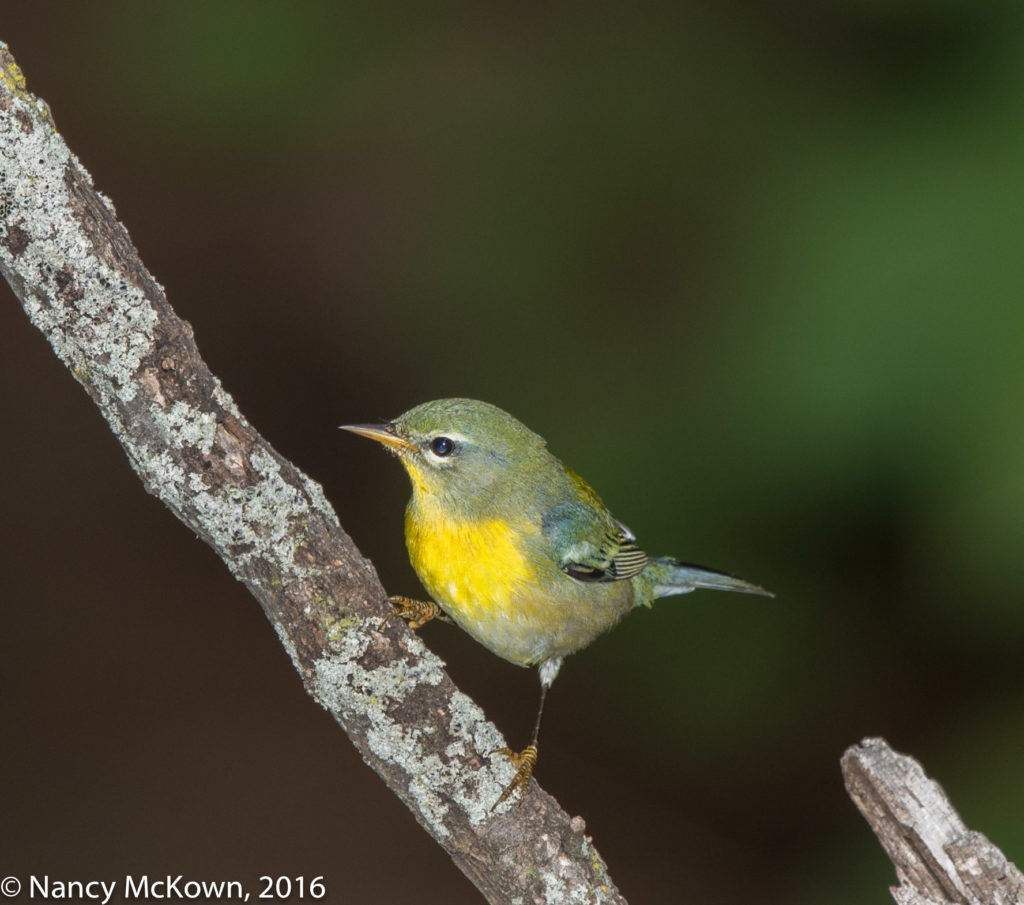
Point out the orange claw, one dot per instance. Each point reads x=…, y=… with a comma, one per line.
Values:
x=416, y=613
x=525, y=761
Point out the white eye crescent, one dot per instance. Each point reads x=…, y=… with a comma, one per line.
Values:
x=443, y=448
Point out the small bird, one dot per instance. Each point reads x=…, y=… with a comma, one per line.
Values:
x=515, y=547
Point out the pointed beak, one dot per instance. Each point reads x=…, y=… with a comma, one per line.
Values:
x=382, y=433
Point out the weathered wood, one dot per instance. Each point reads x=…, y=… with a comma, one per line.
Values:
x=938, y=860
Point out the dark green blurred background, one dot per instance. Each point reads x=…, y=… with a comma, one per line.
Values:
x=754, y=270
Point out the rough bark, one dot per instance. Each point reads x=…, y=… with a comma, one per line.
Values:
x=79, y=278
x=938, y=860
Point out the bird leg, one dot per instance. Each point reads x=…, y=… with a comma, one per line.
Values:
x=526, y=760
x=415, y=612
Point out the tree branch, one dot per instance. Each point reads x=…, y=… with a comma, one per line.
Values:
x=938, y=860
x=79, y=278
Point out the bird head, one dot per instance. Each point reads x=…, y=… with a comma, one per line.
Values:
x=457, y=448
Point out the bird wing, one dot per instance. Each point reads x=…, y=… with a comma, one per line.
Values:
x=615, y=560
x=590, y=545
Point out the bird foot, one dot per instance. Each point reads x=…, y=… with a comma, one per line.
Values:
x=524, y=761
x=415, y=612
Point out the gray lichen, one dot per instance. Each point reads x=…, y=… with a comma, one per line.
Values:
x=346, y=687
x=104, y=327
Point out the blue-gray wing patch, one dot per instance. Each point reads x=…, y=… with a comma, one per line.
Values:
x=615, y=560
x=588, y=548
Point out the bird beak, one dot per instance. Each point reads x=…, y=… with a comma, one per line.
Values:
x=382, y=433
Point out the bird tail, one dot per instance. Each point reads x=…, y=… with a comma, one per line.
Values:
x=665, y=577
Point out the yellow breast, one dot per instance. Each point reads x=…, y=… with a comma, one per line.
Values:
x=488, y=575
x=473, y=568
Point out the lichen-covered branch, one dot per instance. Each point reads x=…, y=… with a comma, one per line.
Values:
x=937, y=859
x=75, y=270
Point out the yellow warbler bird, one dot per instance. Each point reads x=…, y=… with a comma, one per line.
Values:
x=516, y=548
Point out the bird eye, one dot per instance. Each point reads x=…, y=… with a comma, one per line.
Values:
x=442, y=446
